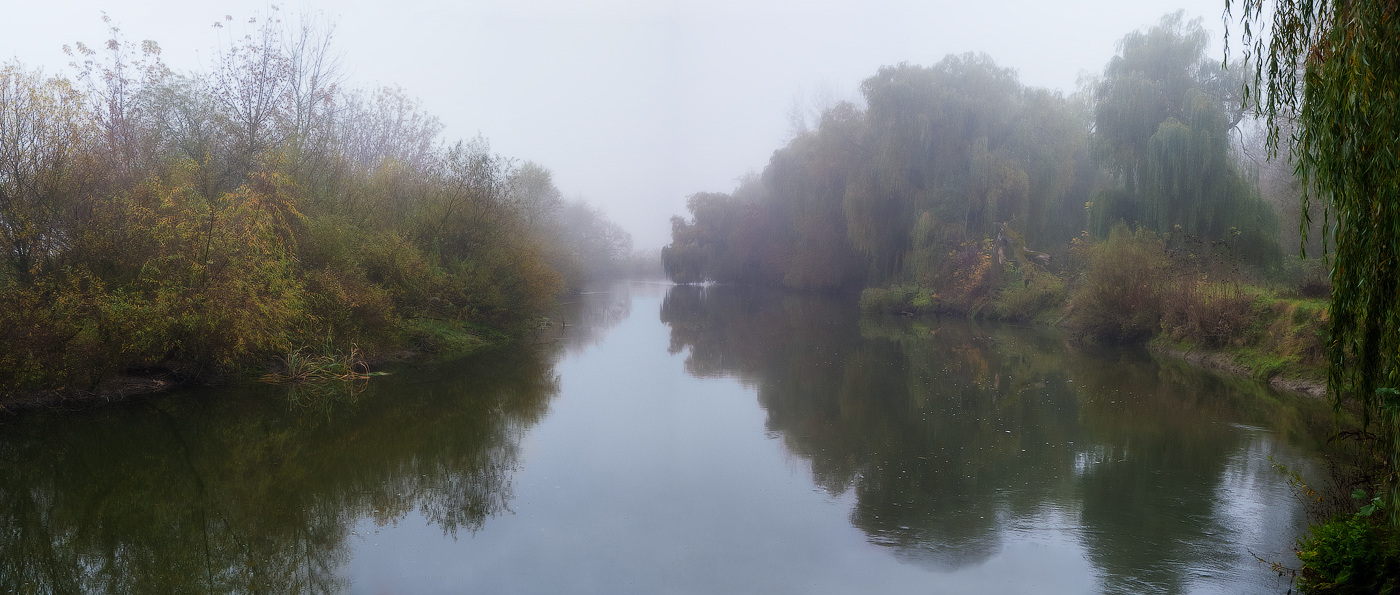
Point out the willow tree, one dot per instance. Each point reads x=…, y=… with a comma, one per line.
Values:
x=807, y=183
x=1051, y=142
x=939, y=139
x=1163, y=120
x=1333, y=68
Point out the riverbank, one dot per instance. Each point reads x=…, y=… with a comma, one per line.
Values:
x=1131, y=289
x=1276, y=339
x=426, y=341
x=1271, y=348
x=1308, y=382
x=748, y=408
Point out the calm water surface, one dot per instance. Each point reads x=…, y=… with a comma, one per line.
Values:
x=680, y=440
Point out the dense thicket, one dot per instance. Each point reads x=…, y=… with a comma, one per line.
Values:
x=200, y=222
x=952, y=167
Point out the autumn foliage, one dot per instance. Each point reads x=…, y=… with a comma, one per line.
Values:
x=198, y=225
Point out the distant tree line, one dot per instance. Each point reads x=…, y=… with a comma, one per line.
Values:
x=950, y=167
x=197, y=223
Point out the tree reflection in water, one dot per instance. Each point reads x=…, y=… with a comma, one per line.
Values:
x=236, y=491
x=956, y=437
x=953, y=440
x=259, y=489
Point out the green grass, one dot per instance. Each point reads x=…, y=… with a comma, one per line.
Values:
x=1265, y=365
x=447, y=339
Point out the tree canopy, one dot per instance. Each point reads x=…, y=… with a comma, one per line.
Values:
x=1163, y=120
x=938, y=158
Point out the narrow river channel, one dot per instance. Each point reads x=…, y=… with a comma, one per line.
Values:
x=681, y=440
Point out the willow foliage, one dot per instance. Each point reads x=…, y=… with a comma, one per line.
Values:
x=906, y=189
x=1334, y=68
x=1163, y=122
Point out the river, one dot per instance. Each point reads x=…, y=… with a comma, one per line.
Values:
x=681, y=440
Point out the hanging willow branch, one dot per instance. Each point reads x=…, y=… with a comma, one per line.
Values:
x=1334, y=68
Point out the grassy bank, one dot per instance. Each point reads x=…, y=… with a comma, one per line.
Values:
x=1254, y=332
x=1133, y=287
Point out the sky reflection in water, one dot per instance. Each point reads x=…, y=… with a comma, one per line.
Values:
x=755, y=442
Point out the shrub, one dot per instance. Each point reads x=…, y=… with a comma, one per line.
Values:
x=1206, y=313
x=202, y=249
x=1028, y=292
x=1308, y=277
x=1120, y=298
x=1354, y=554
x=896, y=299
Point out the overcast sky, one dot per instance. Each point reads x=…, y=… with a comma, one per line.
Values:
x=633, y=104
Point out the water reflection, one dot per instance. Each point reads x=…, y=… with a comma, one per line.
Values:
x=235, y=491
x=948, y=444
x=587, y=316
x=956, y=437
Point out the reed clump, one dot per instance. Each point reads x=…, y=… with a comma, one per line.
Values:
x=301, y=367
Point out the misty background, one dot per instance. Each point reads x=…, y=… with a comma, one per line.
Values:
x=633, y=105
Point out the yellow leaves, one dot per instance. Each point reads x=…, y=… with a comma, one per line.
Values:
x=43, y=127
x=184, y=249
x=272, y=194
x=41, y=119
x=206, y=281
